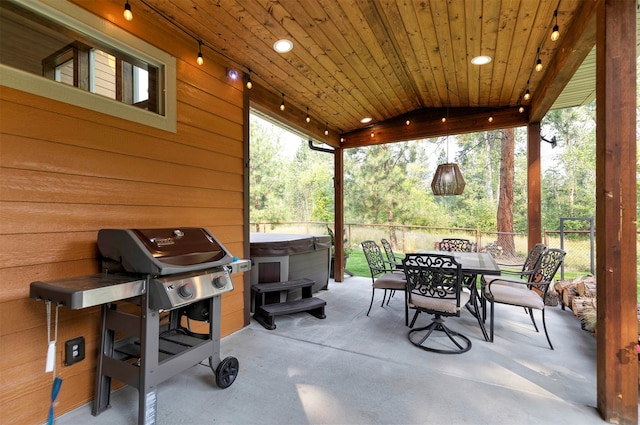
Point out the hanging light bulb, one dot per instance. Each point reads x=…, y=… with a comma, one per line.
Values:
x=527, y=95
x=539, y=62
x=521, y=109
x=444, y=119
x=128, y=15
x=199, y=59
x=249, y=83
x=373, y=134
x=282, y=104
x=490, y=116
x=326, y=129
x=555, y=34
x=308, y=119
x=407, y=122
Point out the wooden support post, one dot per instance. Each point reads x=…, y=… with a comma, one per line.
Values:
x=533, y=184
x=338, y=271
x=617, y=326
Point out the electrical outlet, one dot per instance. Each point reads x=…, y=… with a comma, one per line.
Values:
x=74, y=350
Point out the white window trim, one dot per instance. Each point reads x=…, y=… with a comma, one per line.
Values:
x=105, y=32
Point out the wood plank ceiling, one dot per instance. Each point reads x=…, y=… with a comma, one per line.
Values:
x=391, y=60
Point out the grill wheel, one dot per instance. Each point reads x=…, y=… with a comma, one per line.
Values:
x=226, y=372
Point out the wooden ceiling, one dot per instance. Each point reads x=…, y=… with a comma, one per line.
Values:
x=393, y=61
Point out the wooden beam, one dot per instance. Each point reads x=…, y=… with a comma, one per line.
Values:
x=533, y=185
x=427, y=122
x=293, y=118
x=575, y=44
x=617, y=326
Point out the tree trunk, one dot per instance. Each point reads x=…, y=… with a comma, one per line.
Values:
x=505, y=196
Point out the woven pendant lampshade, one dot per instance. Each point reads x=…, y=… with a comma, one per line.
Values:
x=448, y=180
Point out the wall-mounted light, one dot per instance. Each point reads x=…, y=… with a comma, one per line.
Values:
x=282, y=104
x=128, y=15
x=555, y=34
x=553, y=142
x=199, y=59
x=249, y=83
x=308, y=118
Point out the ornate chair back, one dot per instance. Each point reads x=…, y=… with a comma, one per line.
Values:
x=456, y=245
x=391, y=257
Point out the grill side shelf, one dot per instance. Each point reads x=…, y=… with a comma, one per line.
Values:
x=88, y=291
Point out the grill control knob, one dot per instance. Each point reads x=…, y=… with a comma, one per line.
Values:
x=220, y=282
x=185, y=291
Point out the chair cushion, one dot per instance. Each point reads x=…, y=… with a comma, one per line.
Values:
x=446, y=305
x=516, y=296
x=390, y=281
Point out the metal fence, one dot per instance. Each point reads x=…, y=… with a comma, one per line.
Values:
x=579, y=244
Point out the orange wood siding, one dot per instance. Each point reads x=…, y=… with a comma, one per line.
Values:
x=66, y=172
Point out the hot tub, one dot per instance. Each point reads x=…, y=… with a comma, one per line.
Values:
x=278, y=257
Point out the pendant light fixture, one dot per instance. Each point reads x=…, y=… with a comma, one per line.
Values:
x=282, y=104
x=555, y=34
x=128, y=15
x=199, y=59
x=448, y=179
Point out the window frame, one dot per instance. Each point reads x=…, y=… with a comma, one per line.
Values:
x=105, y=33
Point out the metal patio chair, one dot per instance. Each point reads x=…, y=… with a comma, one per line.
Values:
x=395, y=263
x=434, y=286
x=383, y=277
x=456, y=245
x=528, y=293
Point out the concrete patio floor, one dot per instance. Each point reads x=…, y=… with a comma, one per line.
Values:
x=354, y=369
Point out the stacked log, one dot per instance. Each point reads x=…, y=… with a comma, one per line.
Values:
x=579, y=287
x=579, y=295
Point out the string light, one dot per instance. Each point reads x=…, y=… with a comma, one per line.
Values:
x=555, y=34
x=326, y=129
x=521, y=109
x=308, y=119
x=372, y=134
x=199, y=59
x=282, y=104
x=128, y=15
x=249, y=83
x=539, y=62
x=527, y=95
x=408, y=122
x=490, y=117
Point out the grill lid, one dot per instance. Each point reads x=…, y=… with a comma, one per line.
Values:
x=162, y=251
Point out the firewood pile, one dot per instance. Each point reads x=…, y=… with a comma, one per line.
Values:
x=579, y=295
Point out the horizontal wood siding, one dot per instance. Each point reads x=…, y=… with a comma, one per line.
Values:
x=66, y=172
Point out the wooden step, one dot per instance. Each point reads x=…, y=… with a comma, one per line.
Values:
x=265, y=313
x=261, y=288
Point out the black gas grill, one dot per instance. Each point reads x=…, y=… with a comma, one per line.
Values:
x=156, y=284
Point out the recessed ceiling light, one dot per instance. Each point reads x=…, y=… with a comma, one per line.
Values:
x=283, y=45
x=366, y=120
x=481, y=60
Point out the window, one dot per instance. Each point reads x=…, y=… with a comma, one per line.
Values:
x=60, y=43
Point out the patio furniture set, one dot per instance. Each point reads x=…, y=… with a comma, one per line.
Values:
x=442, y=283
